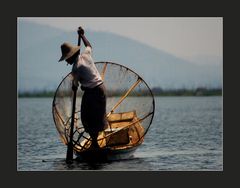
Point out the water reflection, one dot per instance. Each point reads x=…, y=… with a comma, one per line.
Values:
x=119, y=165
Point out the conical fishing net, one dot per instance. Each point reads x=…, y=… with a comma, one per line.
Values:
x=130, y=109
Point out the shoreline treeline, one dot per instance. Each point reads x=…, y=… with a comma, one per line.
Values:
x=156, y=92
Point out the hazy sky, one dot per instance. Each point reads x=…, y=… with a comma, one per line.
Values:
x=184, y=37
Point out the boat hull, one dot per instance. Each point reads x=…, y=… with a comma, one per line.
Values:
x=106, y=154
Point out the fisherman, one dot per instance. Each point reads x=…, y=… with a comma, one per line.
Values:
x=93, y=106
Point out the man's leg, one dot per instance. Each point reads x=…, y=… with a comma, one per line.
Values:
x=94, y=136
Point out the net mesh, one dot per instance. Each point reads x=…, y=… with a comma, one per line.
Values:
x=130, y=109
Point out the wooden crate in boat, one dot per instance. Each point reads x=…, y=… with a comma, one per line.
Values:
x=131, y=131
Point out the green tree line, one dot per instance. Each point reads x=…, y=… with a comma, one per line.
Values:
x=157, y=91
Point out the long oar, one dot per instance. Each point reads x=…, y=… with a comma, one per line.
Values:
x=69, y=156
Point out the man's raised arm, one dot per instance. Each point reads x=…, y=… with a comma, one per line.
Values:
x=85, y=41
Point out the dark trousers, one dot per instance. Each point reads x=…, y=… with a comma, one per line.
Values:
x=93, y=110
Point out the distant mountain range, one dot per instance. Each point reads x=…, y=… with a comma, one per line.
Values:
x=39, y=52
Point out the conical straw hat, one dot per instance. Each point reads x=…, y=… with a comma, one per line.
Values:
x=68, y=50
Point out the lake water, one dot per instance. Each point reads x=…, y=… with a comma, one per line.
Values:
x=186, y=135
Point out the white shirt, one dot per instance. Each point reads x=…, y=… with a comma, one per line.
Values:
x=85, y=71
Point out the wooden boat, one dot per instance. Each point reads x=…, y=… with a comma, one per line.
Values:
x=119, y=141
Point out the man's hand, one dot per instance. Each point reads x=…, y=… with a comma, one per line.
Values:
x=80, y=31
x=74, y=88
x=75, y=85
